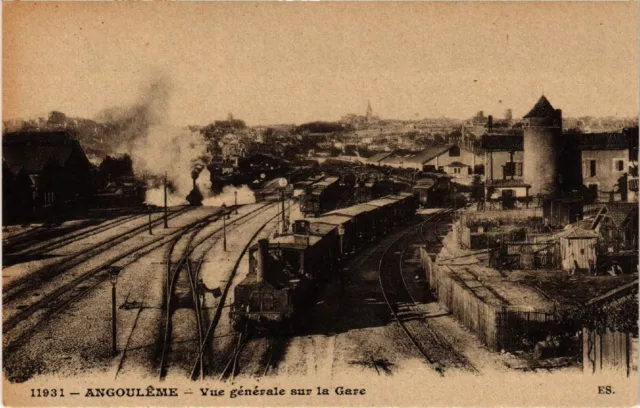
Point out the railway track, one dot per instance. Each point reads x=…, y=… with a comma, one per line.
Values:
x=252, y=356
x=179, y=291
x=34, y=238
x=437, y=352
x=198, y=368
x=20, y=288
x=37, y=246
x=176, y=261
x=442, y=342
x=20, y=236
x=182, y=280
x=59, y=299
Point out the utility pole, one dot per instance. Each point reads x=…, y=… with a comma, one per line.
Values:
x=166, y=223
x=149, y=212
x=113, y=276
x=284, y=226
x=235, y=198
x=224, y=227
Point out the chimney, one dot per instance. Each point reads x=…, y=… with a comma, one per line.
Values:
x=261, y=256
x=490, y=124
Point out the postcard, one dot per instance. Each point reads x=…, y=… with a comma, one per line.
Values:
x=320, y=204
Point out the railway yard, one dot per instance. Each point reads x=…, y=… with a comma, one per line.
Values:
x=176, y=285
x=227, y=205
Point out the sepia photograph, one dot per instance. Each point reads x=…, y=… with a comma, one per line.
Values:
x=320, y=203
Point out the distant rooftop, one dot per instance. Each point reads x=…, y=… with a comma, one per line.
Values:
x=582, y=141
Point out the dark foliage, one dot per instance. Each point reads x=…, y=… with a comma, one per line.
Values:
x=323, y=127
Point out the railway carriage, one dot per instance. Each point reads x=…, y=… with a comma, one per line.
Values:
x=340, y=229
x=321, y=196
x=284, y=273
x=386, y=213
x=407, y=205
x=364, y=217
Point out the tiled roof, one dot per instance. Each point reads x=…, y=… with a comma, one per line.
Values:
x=36, y=158
x=392, y=159
x=378, y=157
x=429, y=153
x=578, y=232
x=503, y=142
x=33, y=152
x=600, y=141
x=619, y=212
x=542, y=109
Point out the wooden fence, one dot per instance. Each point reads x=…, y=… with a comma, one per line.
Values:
x=609, y=351
x=480, y=309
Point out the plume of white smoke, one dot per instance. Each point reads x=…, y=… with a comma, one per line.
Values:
x=157, y=148
x=245, y=196
x=174, y=150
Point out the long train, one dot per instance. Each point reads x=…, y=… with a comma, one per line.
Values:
x=285, y=271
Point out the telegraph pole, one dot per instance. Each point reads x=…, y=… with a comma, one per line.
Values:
x=113, y=277
x=166, y=223
x=235, y=198
x=284, y=226
x=224, y=227
x=149, y=212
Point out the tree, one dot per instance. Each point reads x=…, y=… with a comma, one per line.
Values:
x=323, y=127
x=57, y=118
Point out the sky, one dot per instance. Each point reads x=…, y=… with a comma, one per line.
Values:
x=299, y=62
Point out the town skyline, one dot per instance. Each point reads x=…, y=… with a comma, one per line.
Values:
x=322, y=64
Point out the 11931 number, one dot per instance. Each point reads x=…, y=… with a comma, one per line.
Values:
x=47, y=392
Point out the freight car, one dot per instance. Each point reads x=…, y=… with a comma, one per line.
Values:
x=284, y=273
x=308, y=182
x=433, y=190
x=323, y=196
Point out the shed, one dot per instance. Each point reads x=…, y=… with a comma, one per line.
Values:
x=578, y=249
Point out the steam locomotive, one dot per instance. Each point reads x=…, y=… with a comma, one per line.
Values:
x=284, y=271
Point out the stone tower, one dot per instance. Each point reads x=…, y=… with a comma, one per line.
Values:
x=508, y=115
x=542, y=133
x=369, y=115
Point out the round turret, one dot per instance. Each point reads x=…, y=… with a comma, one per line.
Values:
x=542, y=130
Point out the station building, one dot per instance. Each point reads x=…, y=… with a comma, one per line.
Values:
x=457, y=161
x=43, y=171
